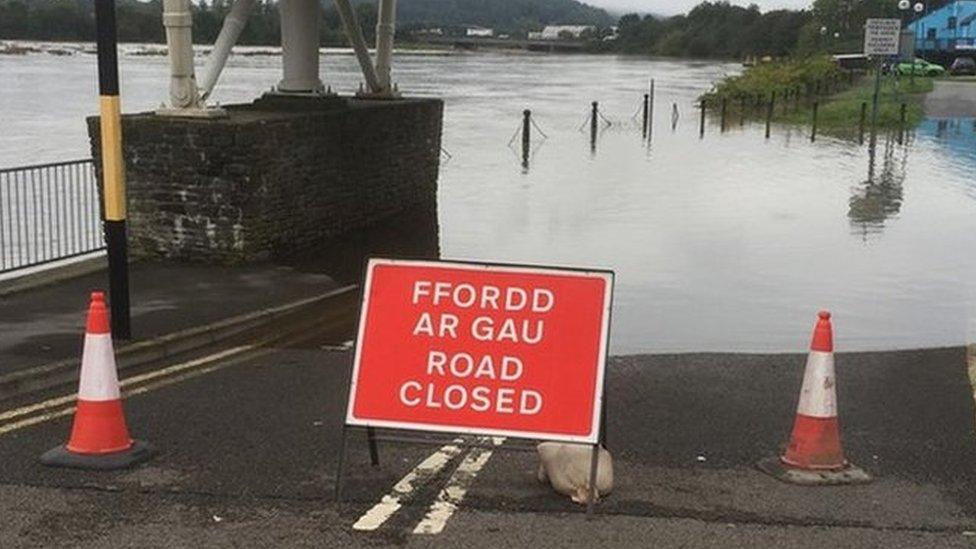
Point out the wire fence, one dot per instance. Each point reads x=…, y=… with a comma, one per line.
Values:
x=48, y=212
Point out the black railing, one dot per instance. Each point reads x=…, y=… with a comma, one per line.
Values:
x=48, y=212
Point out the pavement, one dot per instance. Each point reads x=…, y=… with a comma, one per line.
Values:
x=248, y=453
x=46, y=324
x=951, y=99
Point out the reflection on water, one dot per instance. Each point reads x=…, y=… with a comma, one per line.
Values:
x=411, y=234
x=879, y=197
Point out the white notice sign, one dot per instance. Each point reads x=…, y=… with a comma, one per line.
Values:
x=881, y=36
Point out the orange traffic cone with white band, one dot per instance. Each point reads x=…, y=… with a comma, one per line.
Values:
x=99, y=436
x=814, y=454
x=815, y=442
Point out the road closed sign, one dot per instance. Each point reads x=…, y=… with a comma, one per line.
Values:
x=486, y=349
x=881, y=36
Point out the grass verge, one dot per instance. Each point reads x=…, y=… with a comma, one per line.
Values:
x=840, y=114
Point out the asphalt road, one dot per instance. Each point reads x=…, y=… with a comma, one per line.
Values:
x=248, y=455
x=951, y=99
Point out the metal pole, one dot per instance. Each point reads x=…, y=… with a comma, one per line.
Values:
x=901, y=124
x=354, y=32
x=701, y=125
x=385, y=31
x=113, y=168
x=813, y=132
x=769, y=111
x=229, y=33
x=526, y=136
x=874, y=100
x=650, y=112
x=647, y=105
x=178, y=21
x=864, y=115
x=724, y=105
x=593, y=124
x=300, y=46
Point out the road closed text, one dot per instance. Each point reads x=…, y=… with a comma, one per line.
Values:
x=479, y=398
x=481, y=348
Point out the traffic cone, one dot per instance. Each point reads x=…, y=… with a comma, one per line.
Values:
x=815, y=442
x=815, y=447
x=99, y=437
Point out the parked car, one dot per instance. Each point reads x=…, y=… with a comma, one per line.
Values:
x=963, y=65
x=920, y=67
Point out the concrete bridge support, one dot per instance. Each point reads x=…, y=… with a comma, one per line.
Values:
x=300, y=47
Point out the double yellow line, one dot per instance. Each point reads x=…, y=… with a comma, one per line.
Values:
x=41, y=412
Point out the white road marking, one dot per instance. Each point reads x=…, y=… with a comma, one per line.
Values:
x=49, y=411
x=391, y=503
x=453, y=493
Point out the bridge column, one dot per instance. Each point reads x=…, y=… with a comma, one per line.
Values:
x=184, y=96
x=300, y=47
x=385, y=32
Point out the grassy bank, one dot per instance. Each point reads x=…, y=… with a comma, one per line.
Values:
x=798, y=84
x=761, y=81
x=840, y=114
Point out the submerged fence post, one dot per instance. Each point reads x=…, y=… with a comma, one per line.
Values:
x=724, y=106
x=742, y=111
x=901, y=124
x=769, y=111
x=647, y=104
x=813, y=131
x=701, y=126
x=593, y=125
x=864, y=115
x=650, y=111
x=526, y=136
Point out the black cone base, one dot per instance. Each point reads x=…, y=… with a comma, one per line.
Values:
x=61, y=457
x=850, y=474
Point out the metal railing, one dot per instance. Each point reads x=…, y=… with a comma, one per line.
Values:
x=48, y=212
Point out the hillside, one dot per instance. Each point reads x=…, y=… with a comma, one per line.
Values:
x=503, y=14
x=140, y=21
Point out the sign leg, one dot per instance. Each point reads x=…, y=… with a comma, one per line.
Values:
x=594, y=463
x=374, y=451
x=339, y=464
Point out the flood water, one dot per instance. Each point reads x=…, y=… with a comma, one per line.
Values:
x=727, y=243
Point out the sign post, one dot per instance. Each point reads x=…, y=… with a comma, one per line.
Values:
x=479, y=349
x=881, y=37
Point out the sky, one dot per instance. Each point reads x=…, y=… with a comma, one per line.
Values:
x=672, y=7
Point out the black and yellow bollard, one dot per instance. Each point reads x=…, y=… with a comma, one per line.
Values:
x=526, y=137
x=113, y=168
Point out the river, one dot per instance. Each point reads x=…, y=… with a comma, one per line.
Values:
x=727, y=243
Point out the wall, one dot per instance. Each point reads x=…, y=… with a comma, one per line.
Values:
x=274, y=177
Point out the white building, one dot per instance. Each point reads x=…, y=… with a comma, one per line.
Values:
x=554, y=32
x=479, y=32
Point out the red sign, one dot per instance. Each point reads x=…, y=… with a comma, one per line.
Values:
x=487, y=349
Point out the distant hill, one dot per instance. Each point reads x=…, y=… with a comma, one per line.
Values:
x=500, y=14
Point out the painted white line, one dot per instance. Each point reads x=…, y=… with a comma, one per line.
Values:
x=49, y=408
x=453, y=493
x=391, y=503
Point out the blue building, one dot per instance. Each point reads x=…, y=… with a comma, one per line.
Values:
x=949, y=30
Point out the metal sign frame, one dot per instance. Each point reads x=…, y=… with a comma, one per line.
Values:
x=599, y=436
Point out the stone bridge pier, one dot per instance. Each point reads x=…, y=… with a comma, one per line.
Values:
x=296, y=167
